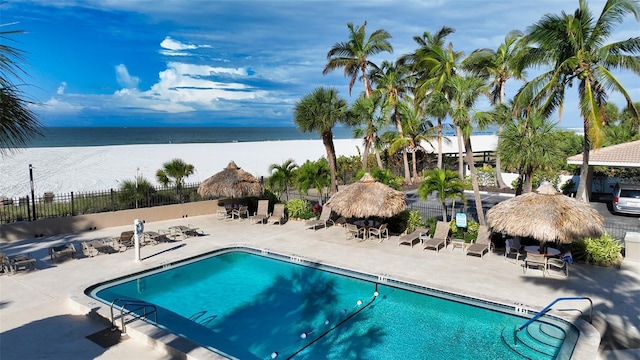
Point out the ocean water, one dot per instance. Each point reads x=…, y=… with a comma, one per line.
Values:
x=103, y=136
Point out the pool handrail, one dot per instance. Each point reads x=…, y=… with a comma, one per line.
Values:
x=547, y=308
x=141, y=305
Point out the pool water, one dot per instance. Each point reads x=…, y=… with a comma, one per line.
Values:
x=247, y=306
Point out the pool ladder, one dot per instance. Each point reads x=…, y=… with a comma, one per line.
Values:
x=125, y=310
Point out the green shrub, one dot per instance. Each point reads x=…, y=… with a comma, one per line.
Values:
x=602, y=251
x=469, y=233
x=414, y=220
x=299, y=209
x=568, y=186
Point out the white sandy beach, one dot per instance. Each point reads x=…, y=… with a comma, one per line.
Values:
x=84, y=169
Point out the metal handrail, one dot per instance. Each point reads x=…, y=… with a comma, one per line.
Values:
x=141, y=305
x=547, y=308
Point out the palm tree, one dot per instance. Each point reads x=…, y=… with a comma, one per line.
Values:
x=137, y=190
x=369, y=112
x=433, y=64
x=465, y=92
x=445, y=183
x=320, y=111
x=391, y=81
x=353, y=56
x=500, y=66
x=313, y=175
x=574, y=47
x=282, y=176
x=18, y=124
x=417, y=130
x=530, y=144
x=174, y=172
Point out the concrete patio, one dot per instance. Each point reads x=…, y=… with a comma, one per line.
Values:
x=44, y=312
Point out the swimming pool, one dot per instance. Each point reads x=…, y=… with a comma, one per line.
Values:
x=253, y=304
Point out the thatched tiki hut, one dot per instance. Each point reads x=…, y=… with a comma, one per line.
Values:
x=547, y=216
x=367, y=198
x=231, y=182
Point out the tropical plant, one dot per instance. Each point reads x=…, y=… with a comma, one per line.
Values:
x=468, y=234
x=603, y=251
x=384, y=176
x=133, y=192
x=573, y=47
x=354, y=55
x=313, y=175
x=299, y=209
x=18, y=123
x=282, y=176
x=417, y=129
x=414, y=220
x=445, y=183
x=370, y=113
x=319, y=111
x=173, y=173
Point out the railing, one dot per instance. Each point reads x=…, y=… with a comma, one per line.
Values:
x=141, y=305
x=547, y=308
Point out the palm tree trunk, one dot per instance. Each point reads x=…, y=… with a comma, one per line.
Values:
x=365, y=153
x=499, y=180
x=379, y=160
x=415, y=165
x=444, y=211
x=527, y=185
x=474, y=181
x=439, y=143
x=582, y=193
x=327, y=140
x=405, y=157
x=460, y=152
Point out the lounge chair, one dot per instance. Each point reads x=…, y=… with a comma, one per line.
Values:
x=512, y=246
x=61, y=251
x=262, y=214
x=92, y=248
x=412, y=237
x=537, y=260
x=124, y=241
x=355, y=232
x=153, y=237
x=380, y=232
x=277, y=217
x=240, y=213
x=439, y=239
x=14, y=263
x=222, y=212
x=323, y=220
x=483, y=242
x=561, y=265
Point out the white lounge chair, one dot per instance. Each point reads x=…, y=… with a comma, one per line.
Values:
x=323, y=220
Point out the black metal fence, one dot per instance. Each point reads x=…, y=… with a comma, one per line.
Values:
x=59, y=205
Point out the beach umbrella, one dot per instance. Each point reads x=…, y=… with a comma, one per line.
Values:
x=367, y=198
x=231, y=182
x=547, y=216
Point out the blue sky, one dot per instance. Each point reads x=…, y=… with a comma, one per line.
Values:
x=234, y=62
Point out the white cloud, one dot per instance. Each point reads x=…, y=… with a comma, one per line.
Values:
x=125, y=79
x=173, y=47
x=56, y=106
x=61, y=88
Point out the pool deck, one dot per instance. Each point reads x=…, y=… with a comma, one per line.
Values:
x=43, y=313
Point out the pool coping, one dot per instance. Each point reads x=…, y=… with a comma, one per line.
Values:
x=173, y=345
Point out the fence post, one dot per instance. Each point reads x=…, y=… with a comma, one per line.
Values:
x=113, y=204
x=73, y=206
x=28, y=208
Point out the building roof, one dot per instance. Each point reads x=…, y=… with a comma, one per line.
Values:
x=621, y=155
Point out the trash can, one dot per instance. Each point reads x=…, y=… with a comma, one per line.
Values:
x=632, y=246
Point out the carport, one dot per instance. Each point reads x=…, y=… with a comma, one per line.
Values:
x=626, y=155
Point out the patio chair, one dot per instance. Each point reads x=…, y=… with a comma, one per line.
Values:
x=355, y=232
x=412, y=237
x=537, y=260
x=561, y=265
x=482, y=243
x=91, y=248
x=439, y=239
x=380, y=232
x=222, y=212
x=262, y=213
x=512, y=246
x=277, y=217
x=15, y=263
x=62, y=251
x=240, y=213
x=124, y=241
x=323, y=220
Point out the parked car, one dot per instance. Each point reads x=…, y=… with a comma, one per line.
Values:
x=626, y=198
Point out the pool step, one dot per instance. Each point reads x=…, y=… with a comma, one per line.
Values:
x=537, y=341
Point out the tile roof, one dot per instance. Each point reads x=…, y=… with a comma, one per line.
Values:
x=621, y=155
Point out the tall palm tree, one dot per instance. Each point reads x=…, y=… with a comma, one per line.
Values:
x=465, y=91
x=392, y=82
x=530, y=144
x=354, y=55
x=370, y=113
x=500, y=66
x=174, y=172
x=313, y=174
x=446, y=185
x=574, y=48
x=320, y=111
x=283, y=175
x=18, y=124
x=417, y=129
x=433, y=64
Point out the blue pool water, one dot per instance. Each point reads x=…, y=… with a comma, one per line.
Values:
x=251, y=306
